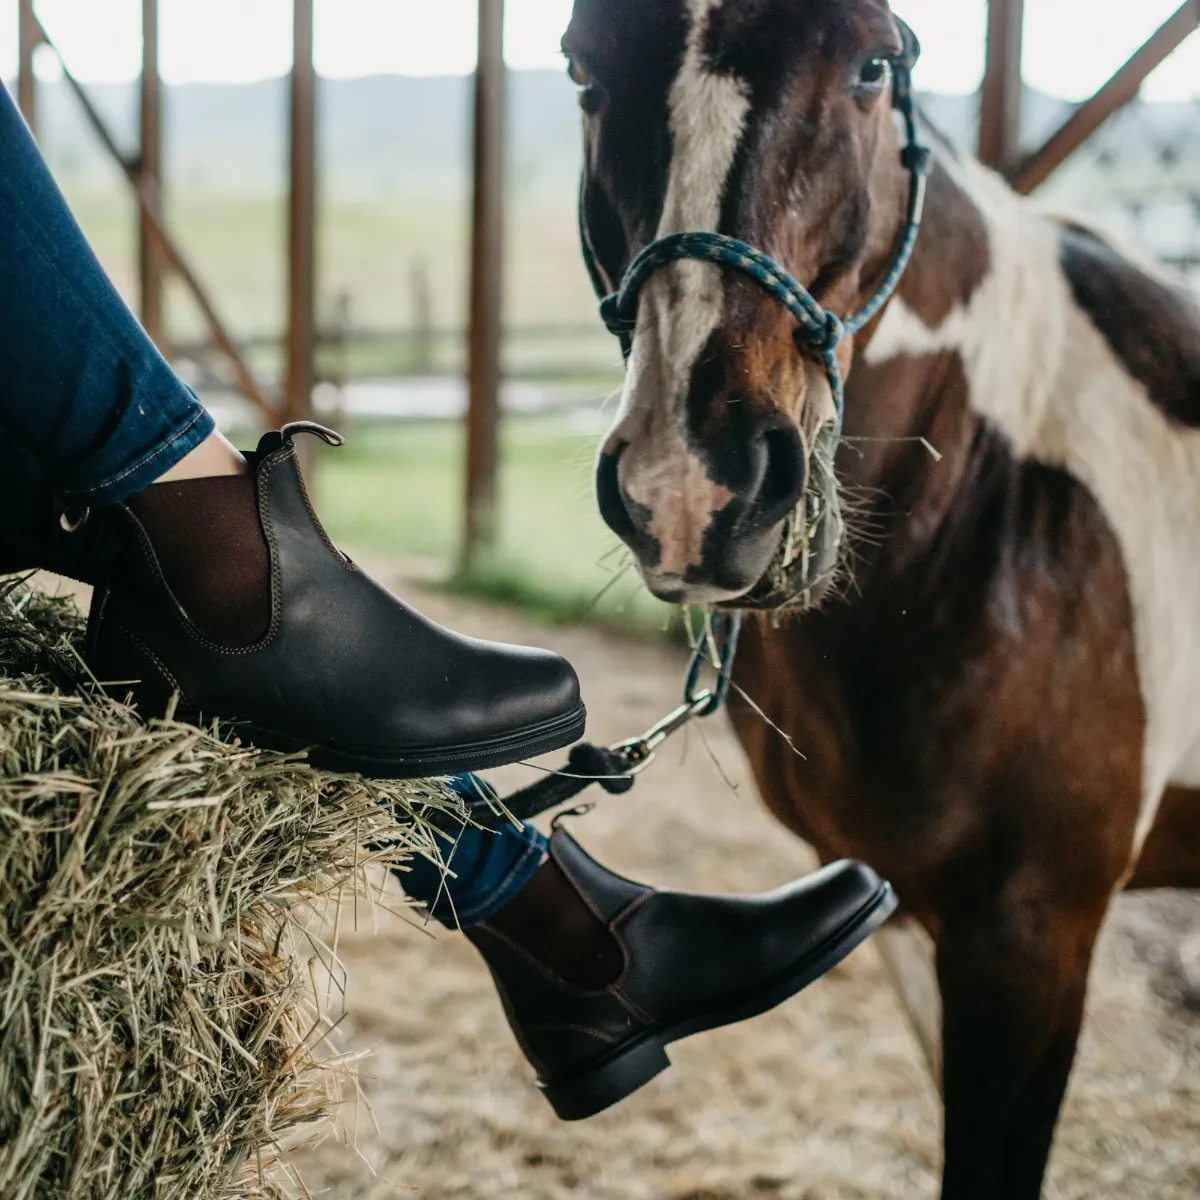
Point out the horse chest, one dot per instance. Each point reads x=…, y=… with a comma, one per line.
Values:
x=862, y=751
x=971, y=693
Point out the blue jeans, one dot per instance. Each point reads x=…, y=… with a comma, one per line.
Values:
x=486, y=869
x=90, y=414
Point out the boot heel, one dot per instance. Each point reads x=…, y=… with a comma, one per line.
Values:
x=607, y=1083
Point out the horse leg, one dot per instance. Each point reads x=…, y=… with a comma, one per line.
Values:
x=1031, y=1132
x=1013, y=977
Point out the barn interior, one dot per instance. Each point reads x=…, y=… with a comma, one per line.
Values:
x=365, y=214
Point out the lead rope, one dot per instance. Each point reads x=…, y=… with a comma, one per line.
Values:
x=615, y=768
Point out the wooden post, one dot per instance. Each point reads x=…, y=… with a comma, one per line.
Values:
x=487, y=264
x=302, y=220
x=1000, y=98
x=29, y=35
x=909, y=955
x=149, y=171
x=422, y=318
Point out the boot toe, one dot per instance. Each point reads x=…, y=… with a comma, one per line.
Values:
x=539, y=687
x=831, y=898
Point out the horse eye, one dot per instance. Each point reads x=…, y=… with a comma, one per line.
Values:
x=875, y=76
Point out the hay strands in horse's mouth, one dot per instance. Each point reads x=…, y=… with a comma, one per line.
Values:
x=818, y=519
x=923, y=442
x=803, y=528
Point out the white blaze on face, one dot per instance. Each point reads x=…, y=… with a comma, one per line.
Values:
x=681, y=305
x=707, y=115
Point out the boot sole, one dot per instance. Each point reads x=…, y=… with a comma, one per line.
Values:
x=632, y=1066
x=421, y=763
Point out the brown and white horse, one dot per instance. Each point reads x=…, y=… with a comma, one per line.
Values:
x=999, y=708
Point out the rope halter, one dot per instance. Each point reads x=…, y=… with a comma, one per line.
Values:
x=820, y=331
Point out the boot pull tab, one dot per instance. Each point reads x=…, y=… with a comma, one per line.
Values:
x=580, y=810
x=328, y=436
x=73, y=517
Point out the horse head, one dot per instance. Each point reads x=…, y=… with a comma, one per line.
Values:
x=770, y=122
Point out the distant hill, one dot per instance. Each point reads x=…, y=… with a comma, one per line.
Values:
x=373, y=132
x=382, y=131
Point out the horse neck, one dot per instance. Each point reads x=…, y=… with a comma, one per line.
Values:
x=909, y=381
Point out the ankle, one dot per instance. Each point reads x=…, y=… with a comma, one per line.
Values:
x=214, y=457
x=549, y=920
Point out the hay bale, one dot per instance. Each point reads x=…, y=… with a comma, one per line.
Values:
x=156, y=1037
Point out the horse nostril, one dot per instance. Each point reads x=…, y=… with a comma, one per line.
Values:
x=783, y=480
x=629, y=520
x=609, y=498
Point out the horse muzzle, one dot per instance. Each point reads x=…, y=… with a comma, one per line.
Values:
x=699, y=539
x=773, y=544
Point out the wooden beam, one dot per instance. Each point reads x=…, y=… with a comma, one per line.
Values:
x=487, y=266
x=1122, y=88
x=28, y=39
x=1000, y=96
x=150, y=258
x=166, y=244
x=302, y=221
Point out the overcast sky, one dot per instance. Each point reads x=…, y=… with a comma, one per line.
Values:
x=1067, y=53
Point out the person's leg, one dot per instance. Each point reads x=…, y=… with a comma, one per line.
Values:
x=218, y=586
x=484, y=869
x=90, y=413
x=82, y=388
x=598, y=974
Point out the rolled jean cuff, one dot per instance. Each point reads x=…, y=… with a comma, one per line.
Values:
x=188, y=426
x=485, y=869
x=474, y=909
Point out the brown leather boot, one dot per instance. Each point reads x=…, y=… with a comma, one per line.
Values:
x=335, y=664
x=598, y=975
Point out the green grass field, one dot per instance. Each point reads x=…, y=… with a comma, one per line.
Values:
x=367, y=250
x=396, y=489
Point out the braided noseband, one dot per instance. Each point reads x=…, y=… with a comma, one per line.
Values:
x=820, y=330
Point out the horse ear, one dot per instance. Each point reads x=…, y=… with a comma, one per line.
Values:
x=912, y=45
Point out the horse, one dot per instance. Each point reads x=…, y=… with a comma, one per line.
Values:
x=981, y=673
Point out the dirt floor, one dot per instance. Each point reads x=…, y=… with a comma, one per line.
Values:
x=825, y=1098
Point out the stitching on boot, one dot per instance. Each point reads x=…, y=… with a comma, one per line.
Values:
x=630, y=909
x=623, y=946
x=268, y=528
x=576, y=882
x=315, y=519
x=162, y=668
x=630, y=1006
x=554, y=1027
x=537, y=964
x=179, y=613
